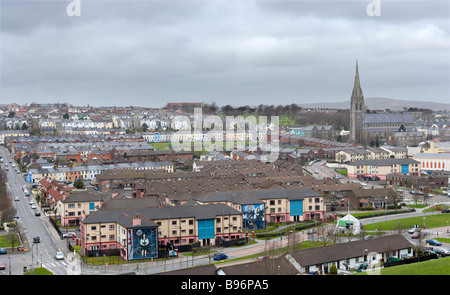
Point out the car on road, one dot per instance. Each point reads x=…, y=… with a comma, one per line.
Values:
x=433, y=242
x=59, y=255
x=3, y=251
x=36, y=239
x=2, y=265
x=443, y=252
x=16, y=199
x=68, y=235
x=220, y=256
x=37, y=213
x=31, y=202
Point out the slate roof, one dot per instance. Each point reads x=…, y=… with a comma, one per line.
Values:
x=196, y=211
x=336, y=252
x=384, y=162
x=389, y=118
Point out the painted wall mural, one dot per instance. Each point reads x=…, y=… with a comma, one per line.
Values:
x=142, y=243
x=253, y=216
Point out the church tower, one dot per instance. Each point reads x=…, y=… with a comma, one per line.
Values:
x=356, y=110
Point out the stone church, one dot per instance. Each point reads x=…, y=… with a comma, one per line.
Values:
x=356, y=110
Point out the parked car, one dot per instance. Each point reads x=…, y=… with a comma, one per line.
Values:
x=413, y=230
x=443, y=252
x=260, y=258
x=2, y=265
x=433, y=242
x=59, y=255
x=36, y=239
x=33, y=206
x=37, y=213
x=416, y=235
x=446, y=210
x=68, y=235
x=16, y=199
x=3, y=251
x=220, y=256
x=16, y=216
x=31, y=202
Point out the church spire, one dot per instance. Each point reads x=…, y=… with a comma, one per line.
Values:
x=356, y=110
x=357, y=92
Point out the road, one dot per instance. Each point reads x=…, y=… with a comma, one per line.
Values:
x=38, y=254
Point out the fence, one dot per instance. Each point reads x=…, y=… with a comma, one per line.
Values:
x=55, y=226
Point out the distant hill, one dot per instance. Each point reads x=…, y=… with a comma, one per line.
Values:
x=382, y=103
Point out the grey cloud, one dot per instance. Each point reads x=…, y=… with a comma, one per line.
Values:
x=152, y=52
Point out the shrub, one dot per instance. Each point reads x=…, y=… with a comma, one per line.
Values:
x=333, y=270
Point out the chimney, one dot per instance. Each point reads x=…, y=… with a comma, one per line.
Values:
x=136, y=221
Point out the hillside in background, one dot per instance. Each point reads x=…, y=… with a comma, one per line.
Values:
x=382, y=103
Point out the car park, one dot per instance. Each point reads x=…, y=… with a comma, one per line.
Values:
x=220, y=256
x=433, y=242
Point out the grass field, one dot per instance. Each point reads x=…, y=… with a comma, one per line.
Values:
x=439, y=266
x=431, y=221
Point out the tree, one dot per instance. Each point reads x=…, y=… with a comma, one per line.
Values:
x=144, y=127
x=79, y=184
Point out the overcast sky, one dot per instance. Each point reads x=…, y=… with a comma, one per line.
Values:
x=236, y=52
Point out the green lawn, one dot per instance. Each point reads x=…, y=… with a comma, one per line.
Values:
x=9, y=240
x=40, y=271
x=431, y=221
x=439, y=266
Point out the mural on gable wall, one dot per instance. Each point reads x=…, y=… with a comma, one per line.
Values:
x=142, y=243
x=253, y=216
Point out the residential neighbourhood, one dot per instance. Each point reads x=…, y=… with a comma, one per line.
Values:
x=130, y=196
